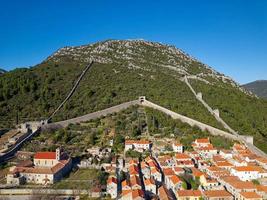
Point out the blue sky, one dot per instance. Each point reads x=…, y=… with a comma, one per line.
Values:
x=229, y=35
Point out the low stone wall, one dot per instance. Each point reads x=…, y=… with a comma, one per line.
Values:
x=248, y=140
x=48, y=192
x=95, y=115
x=191, y=122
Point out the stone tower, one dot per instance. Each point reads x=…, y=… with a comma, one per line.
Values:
x=58, y=152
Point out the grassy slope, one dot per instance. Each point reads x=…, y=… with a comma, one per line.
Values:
x=100, y=88
x=245, y=114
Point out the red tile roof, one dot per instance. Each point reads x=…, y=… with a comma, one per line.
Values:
x=45, y=155
x=217, y=193
x=189, y=193
x=182, y=156
x=164, y=193
x=250, y=195
x=203, y=140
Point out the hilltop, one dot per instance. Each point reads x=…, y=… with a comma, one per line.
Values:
x=257, y=87
x=123, y=71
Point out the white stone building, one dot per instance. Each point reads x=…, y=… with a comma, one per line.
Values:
x=177, y=147
x=48, y=168
x=138, y=145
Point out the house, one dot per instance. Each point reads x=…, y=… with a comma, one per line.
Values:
x=135, y=183
x=207, y=152
x=166, y=161
x=217, y=195
x=218, y=158
x=249, y=157
x=164, y=193
x=239, y=148
x=150, y=187
x=167, y=173
x=188, y=194
x=138, y=145
x=177, y=147
x=202, y=142
x=226, y=154
x=178, y=171
x=225, y=165
x=246, y=173
x=209, y=183
x=174, y=183
x=249, y=196
x=183, y=160
x=156, y=175
x=133, y=170
x=133, y=195
x=145, y=169
x=48, y=168
x=182, y=157
x=217, y=172
x=125, y=185
x=262, y=191
x=238, y=161
x=112, y=186
x=262, y=162
x=235, y=187
x=226, y=180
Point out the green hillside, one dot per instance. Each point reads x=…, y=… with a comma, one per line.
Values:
x=123, y=71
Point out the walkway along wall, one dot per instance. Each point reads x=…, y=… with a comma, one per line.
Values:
x=143, y=102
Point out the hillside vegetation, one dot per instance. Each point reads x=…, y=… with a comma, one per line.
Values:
x=123, y=71
x=135, y=122
x=245, y=113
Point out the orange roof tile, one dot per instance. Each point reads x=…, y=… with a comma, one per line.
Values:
x=189, y=193
x=134, y=180
x=164, y=193
x=217, y=193
x=262, y=160
x=250, y=195
x=149, y=182
x=175, y=179
x=45, y=155
x=196, y=172
x=168, y=171
x=224, y=164
x=137, y=193
x=133, y=162
x=178, y=169
x=248, y=168
x=203, y=140
x=242, y=184
x=182, y=156
x=262, y=188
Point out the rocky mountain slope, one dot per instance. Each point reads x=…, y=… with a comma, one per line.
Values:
x=123, y=71
x=258, y=87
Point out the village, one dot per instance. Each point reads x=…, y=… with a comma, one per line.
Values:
x=148, y=170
